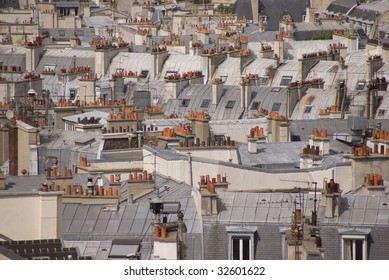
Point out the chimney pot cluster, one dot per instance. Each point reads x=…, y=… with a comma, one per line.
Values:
x=373, y=179
x=362, y=151
x=332, y=187
x=311, y=150
x=140, y=176
x=128, y=114
x=98, y=191
x=91, y=120
x=83, y=162
x=319, y=133
x=197, y=115
x=256, y=132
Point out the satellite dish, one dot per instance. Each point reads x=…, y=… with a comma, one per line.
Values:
x=9, y=114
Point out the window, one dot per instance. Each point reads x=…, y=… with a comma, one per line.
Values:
x=354, y=249
x=49, y=68
x=381, y=112
x=255, y=105
x=205, y=103
x=285, y=80
x=230, y=104
x=240, y=248
x=307, y=109
x=72, y=94
x=361, y=85
x=354, y=243
x=276, y=107
x=119, y=70
x=240, y=242
x=263, y=80
x=185, y=102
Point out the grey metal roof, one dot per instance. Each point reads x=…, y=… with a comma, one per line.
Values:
x=13, y=56
x=302, y=129
x=195, y=94
x=66, y=58
x=231, y=68
x=182, y=63
x=16, y=184
x=64, y=34
x=273, y=9
x=240, y=207
x=135, y=62
x=98, y=22
x=361, y=210
x=341, y=6
x=236, y=129
x=369, y=11
x=92, y=229
x=62, y=144
x=316, y=98
x=273, y=155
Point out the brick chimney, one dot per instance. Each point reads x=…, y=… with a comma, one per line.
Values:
x=318, y=138
x=332, y=196
x=217, y=90
x=245, y=92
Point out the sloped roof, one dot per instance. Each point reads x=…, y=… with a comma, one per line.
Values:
x=341, y=6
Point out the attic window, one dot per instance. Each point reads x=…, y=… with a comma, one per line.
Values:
x=61, y=32
x=277, y=89
x=285, y=80
x=205, y=103
x=72, y=93
x=263, y=80
x=361, y=85
x=80, y=32
x=307, y=109
x=185, y=102
x=255, y=105
x=381, y=112
x=230, y=104
x=49, y=68
x=276, y=107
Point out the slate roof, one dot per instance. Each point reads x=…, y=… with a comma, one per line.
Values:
x=341, y=6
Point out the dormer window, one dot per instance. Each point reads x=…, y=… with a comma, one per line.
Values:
x=49, y=68
x=354, y=243
x=240, y=242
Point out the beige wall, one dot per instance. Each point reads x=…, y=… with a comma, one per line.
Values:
x=27, y=139
x=27, y=216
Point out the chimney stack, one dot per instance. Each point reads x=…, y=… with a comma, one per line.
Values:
x=332, y=195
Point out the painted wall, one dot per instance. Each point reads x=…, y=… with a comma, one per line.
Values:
x=27, y=216
x=246, y=179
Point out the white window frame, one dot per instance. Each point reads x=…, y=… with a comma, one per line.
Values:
x=241, y=232
x=354, y=238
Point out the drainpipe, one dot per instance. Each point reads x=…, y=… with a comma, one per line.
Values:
x=190, y=168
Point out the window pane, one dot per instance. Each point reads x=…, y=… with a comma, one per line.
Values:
x=358, y=249
x=246, y=249
x=347, y=249
x=235, y=248
x=285, y=80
